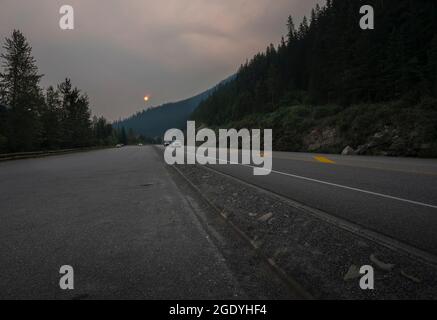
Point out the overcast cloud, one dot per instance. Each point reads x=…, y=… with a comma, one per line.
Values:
x=122, y=50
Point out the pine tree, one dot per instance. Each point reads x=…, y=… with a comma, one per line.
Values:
x=103, y=132
x=51, y=118
x=273, y=84
x=313, y=16
x=3, y=130
x=432, y=66
x=3, y=94
x=83, y=130
x=123, y=136
x=291, y=34
x=303, y=28
x=20, y=90
x=3, y=121
x=318, y=11
x=67, y=105
x=75, y=116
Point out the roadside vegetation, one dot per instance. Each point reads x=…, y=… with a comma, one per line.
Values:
x=330, y=85
x=33, y=118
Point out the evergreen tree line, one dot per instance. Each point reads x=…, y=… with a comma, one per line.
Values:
x=328, y=60
x=131, y=137
x=35, y=119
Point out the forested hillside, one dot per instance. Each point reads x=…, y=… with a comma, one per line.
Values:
x=330, y=84
x=32, y=118
x=154, y=122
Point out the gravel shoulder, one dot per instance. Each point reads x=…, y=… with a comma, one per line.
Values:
x=322, y=257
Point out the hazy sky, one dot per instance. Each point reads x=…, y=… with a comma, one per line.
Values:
x=122, y=50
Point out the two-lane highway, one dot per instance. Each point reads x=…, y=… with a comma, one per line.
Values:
x=122, y=221
x=395, y=197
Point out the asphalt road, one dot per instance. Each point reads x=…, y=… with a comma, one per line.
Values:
x=131, y=230
x=120, y=220
x=395, y=197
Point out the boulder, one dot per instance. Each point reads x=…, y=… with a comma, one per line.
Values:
x=348, y=151
x=321, y=138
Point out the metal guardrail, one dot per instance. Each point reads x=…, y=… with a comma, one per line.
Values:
x=36, y=154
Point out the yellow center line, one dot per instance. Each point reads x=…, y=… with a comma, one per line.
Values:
x=324, y=160
x=355, y=165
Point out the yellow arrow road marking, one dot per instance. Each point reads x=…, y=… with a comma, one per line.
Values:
x=324, y=160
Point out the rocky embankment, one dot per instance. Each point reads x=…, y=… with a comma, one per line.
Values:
x=322, y=257
x=387, y=141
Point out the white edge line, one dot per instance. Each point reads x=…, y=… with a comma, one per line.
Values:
x=328, y=183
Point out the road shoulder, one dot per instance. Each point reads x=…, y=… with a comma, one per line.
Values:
x=320, y=256
x=252, y=272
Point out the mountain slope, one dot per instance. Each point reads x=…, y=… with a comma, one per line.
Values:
x=156, y=121
x=331, y=84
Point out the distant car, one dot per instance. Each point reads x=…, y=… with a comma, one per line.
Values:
x=119, y=146
x=140, y=145
x=176, y=144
